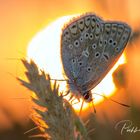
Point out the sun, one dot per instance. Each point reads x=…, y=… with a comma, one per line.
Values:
x=44, y=49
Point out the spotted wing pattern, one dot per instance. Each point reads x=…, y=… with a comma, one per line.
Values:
x=90, y=47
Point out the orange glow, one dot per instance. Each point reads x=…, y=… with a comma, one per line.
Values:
x=21, y=20
x=44, y=49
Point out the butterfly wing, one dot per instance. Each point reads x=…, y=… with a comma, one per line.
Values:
x=90, y=47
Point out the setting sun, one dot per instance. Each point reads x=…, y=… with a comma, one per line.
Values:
x=29, y=108
x=44, y=49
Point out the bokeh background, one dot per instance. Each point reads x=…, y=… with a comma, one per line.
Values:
x=20, y=20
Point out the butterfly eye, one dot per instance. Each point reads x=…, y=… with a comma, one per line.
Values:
x=86, y=96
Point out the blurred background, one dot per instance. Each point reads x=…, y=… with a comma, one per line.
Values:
x=20, y=20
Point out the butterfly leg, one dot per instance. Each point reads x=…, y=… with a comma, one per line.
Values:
x=93, y=107
x=81, y=107
x=71, y=97
x=78, y=100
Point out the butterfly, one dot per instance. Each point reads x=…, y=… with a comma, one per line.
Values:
x=90, y=47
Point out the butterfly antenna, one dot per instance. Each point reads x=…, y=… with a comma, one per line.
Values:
x=81, y=107
x=119, y=103
x=112, y=100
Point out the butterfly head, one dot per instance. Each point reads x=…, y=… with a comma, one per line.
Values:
x=87, y=97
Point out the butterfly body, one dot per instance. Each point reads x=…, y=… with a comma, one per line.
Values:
x=89, y=49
